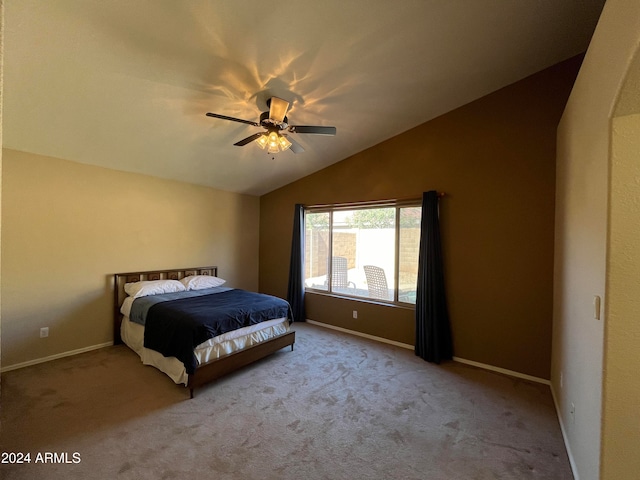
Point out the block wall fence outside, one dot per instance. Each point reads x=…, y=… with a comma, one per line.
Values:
x=315, y=253
x=317, y=250
x=409, y=253
x=345, y=244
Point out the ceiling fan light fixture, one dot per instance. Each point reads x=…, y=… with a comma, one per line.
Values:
x=275, y=121
x=262, y=140
x=284, y=142
x=273, y=140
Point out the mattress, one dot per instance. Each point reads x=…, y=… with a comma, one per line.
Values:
x=217, y=347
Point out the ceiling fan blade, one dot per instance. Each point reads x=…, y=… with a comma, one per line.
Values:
x=277, y=109
x=316, y=130
x=249, y=139
x=295, y=146
x=233, y=119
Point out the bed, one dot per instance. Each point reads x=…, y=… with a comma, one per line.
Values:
x=157, y=310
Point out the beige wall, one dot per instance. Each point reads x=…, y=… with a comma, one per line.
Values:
x=621, y=396
x=592, y=223
x=495, y=159
x=1, y=110
x=67, y=227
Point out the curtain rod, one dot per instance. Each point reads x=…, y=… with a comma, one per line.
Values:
x=393, y=201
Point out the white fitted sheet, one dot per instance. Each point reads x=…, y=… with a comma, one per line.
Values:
x=133, y=336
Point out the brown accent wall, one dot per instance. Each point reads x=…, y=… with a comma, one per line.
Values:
x=495, y=159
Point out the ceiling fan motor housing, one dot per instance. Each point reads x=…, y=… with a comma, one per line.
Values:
x=268, y=122
x=275, y=121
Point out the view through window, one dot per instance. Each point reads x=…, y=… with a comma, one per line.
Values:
x=367, y=252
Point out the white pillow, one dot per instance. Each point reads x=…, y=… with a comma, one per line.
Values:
x=153, y=287
x=198, y=282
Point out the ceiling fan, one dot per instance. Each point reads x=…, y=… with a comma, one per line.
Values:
x=275, y=122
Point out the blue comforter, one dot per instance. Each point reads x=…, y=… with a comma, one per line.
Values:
x=176, y=323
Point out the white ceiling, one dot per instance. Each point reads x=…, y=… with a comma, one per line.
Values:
x=126, y=84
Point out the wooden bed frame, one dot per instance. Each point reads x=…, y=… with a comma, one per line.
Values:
x=210, y=371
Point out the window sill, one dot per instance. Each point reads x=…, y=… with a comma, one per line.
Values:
x=383, y=303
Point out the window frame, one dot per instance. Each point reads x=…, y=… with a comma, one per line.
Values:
x=330, y=208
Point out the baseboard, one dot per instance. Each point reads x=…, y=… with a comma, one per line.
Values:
x=54, y=357
x=360, y=334
x=484, y=366
x=320, y=324
x=504, y=371
x=565, y=437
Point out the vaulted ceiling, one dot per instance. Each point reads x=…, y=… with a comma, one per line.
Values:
x=126, y=84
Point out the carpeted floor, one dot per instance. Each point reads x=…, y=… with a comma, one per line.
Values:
x=337, y=407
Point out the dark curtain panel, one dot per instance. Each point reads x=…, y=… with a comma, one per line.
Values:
x=433, y=332
x=295, y=291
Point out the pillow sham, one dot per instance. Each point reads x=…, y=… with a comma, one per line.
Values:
x=198, y=282
x=153, y=287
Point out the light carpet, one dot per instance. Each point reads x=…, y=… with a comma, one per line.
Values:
x=337, y=407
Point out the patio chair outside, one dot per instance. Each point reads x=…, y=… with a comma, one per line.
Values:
x=339, y=273
x=376, y=282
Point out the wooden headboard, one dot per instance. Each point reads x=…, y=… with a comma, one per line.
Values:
x=121, y=278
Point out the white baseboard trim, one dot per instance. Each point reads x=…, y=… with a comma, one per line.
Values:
x=484, y=366
x=360, y=334
x=504, y=371
x=54, y=357
x=565, y=437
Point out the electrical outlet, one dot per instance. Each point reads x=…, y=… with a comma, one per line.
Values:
x=355, y=314
x=44, y=332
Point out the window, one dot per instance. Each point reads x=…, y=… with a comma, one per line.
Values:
x=365, y=252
